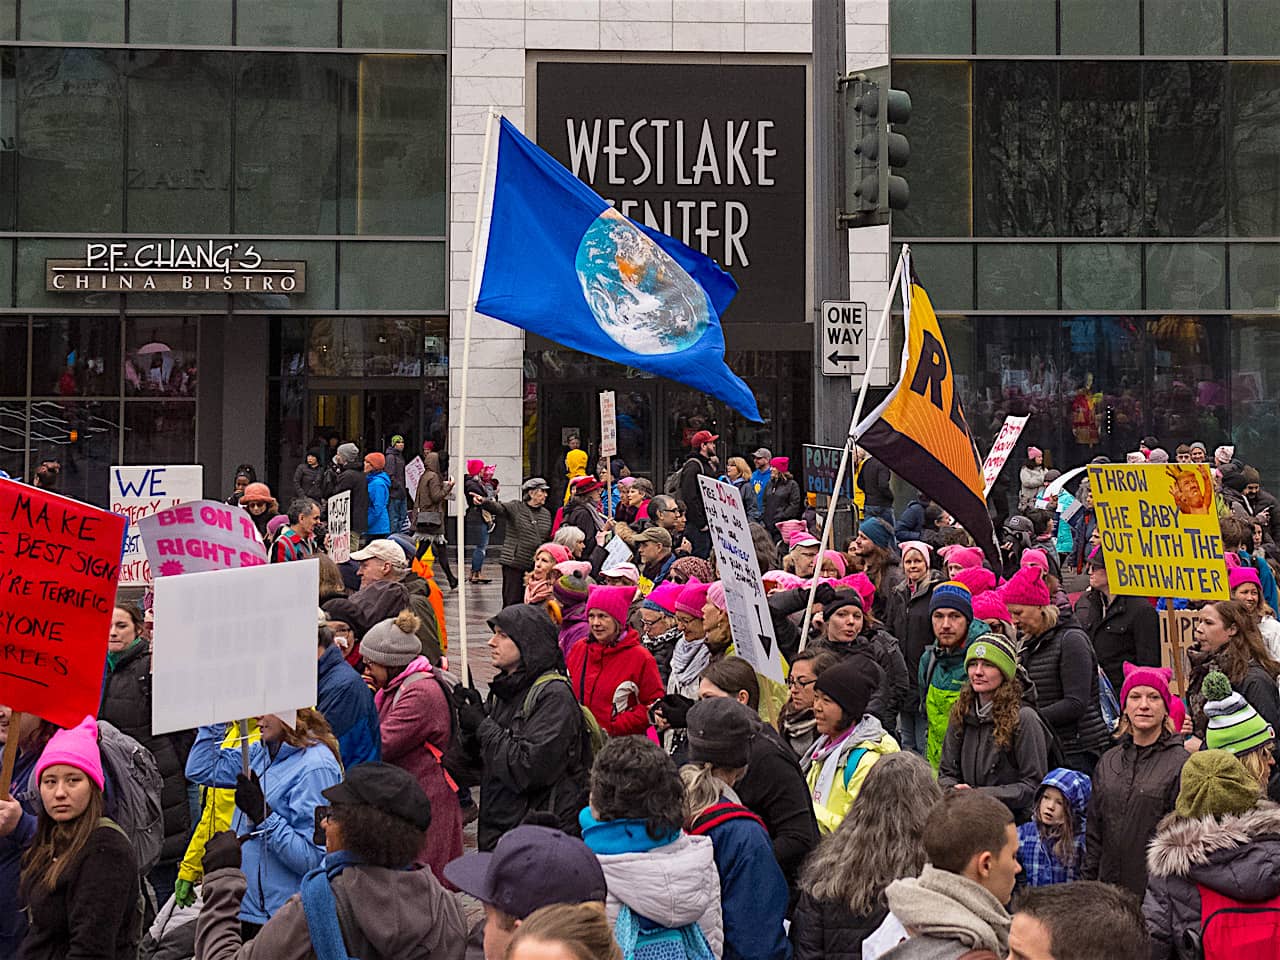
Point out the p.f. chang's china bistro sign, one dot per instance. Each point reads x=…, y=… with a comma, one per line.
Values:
x=175, y=265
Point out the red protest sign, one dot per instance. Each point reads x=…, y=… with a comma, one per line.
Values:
x=59, y=562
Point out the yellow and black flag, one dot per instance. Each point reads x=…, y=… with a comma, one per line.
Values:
x=920, y=431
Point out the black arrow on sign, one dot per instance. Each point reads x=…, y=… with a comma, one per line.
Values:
x=836, y=357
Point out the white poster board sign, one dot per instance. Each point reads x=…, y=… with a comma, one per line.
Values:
x=608, y=424
x=138, y=492
x=340, y=527
x=616, y=551
x=749, y=618
x=413, y=471
x=234, y=643
x=1006, y=440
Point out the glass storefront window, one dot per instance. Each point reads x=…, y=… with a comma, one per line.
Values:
x=941, y=176
x=84, y=436
x=1183, y=117
x=75, y=356
x=13, y=437
x=1189, y=388
x=164, y=21
x=299, y=23
x=365, y=347
x=13, y=348
x=73, y=21
x=403, y=24
x=1102, y=161
x=159, y=432
x=179, y=183
x=160, y=356
x=1255, y=391
x=1015, y=154
x=1252, y=149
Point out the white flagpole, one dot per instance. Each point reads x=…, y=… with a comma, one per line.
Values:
x=881, y=327
x=460, y=497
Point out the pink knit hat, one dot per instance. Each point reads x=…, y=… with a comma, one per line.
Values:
x=76, y=747
x=474, y=467
x=837, y=561
x=920, y=547
x=979, y=580
x=967, y=557
x=1035, y=557
x=1026, y=588
x=1033, y=452
x=782, y=580
x=780, y=463
x=615, y=601
x=989, y=606
x=567, y=568
x=1242, y=574
x=862, y=585
x=558, y=553
x=692, y=598
x=663, y=597
x=1155, y=677
x=715, y=593
x=787, y=528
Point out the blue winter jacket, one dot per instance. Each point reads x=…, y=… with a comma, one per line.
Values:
x=279, y=851
x=13, y=917
x=379, y=497
x=1040, y=867
x=347, y=703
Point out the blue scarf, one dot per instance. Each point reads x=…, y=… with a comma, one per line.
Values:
x=618, y=836
x=321, y=909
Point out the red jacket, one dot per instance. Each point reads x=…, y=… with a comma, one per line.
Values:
x=597, y=671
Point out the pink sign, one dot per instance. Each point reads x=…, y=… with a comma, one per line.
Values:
x=199, y=536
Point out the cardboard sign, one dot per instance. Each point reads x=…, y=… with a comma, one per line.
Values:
x=1177, y=630
x=340, y=527
x=821, y=464
x=413, y=471
x=138, y=492
x=59, y=563
x=608, y=424
x=1006, y=440
x=200, y=536
x=1159, y=530
x=233, y=644
x=749, y=618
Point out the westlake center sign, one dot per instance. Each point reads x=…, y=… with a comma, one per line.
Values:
x=194, y=266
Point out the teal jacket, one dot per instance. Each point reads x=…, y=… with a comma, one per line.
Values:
x=941, y=677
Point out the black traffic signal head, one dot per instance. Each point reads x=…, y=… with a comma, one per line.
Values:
x=873, y=149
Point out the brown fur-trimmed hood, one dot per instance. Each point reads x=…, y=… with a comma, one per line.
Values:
x=1236, y=855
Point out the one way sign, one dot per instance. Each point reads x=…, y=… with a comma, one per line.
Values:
x=844, y=338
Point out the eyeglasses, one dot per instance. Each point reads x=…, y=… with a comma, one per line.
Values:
x=650, y=624
x=793, y=682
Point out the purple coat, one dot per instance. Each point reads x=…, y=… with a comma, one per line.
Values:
x=573, y=626
x=413, y=716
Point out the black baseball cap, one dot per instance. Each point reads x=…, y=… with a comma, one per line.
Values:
x=531, y=867
x=384, y=787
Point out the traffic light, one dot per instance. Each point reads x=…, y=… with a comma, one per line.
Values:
x=874, y=150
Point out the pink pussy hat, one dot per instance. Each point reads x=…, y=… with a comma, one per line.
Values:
x=615, y=601
x=76, y=747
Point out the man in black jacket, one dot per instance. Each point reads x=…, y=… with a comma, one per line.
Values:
x=699, y=464
x=349, y=475
x=529, y=735
x=1121, y=628
x=873, y=480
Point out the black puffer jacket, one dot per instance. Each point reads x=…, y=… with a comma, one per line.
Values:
x=126, y=704
x=351, y=477
x=774, y=789
x=908, y=619
x=527, y=529
x=538, y=762
x=1235, y=856
x=311, y=481
x=782, y=501
x=1129, y=630
x=891, y=696
x=1061, y=664
x=826, y=930
x=970, y=755
x=1133, y=788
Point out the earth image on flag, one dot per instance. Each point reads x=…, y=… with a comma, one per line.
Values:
x=640, y=297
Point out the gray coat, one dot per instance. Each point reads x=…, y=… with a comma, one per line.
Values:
x=527, y=529
x=970, y=755
x=1235, y=856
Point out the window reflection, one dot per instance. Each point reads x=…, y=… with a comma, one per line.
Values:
x=84, y=436
x=13, y=437
x=160, y=356
x=365, y=347
x=159, y=432
x=75, y=356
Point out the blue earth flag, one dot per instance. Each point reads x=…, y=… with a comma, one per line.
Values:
x=561, y=263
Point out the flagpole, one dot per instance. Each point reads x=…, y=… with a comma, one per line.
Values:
x=827, y=526
x=460, y=497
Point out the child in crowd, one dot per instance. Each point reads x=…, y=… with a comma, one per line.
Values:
x=1051, y=844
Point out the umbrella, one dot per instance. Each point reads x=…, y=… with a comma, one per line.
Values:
x=154, y=347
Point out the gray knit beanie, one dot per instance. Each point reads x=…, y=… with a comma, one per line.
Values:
x=349, y=453
x=393, y=643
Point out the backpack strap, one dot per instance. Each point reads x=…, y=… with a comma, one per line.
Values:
x=431, y=748
x=719, y=813
x=851, y=764
x=551, y=676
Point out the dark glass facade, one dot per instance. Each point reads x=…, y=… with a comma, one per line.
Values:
x=1100, y=236
x=315, y=130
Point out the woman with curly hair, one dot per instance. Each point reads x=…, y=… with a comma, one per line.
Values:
x=634, y=826
x=994, y=742
x=842, y=884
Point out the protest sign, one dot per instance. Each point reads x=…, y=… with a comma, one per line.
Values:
x=749, y=618
x=138, y=492
x=616, y=551
x=413, y=471
x=1006, y=440
x=1159, y=530
x=1177, y=634
x=608, y=424
x=200, y=536
x=59, y=563
x=340, y=527
x=234, y=644
x=820, y=467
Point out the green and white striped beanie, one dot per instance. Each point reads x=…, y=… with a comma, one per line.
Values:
x=1234, y=725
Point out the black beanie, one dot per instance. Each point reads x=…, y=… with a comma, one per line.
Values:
x=720, y=732
x=844, y=598
x=851, y=683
